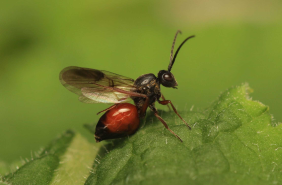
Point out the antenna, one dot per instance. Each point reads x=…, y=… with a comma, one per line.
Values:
x=172, y=47
x=172, y=60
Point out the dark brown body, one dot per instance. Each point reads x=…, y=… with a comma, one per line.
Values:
x=149, y=85
x=115, y=124
x=121, y=119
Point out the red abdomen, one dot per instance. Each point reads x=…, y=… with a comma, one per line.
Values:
x=120, y=121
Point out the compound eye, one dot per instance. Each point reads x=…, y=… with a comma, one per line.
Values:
x=167, y=77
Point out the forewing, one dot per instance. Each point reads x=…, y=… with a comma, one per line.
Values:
x=90, y=85
x=103, y=96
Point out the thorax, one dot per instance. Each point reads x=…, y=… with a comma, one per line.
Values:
x=147, y=84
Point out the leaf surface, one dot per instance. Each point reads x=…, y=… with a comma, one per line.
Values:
x=234, y=141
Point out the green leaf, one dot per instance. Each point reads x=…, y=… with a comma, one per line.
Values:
x=234, y=141
x=65, y=161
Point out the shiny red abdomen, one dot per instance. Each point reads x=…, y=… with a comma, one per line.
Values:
x=120, y=121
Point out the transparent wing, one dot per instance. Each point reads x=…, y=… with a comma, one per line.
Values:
x=90, y=85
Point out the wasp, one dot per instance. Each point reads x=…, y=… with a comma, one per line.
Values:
x=122, y=118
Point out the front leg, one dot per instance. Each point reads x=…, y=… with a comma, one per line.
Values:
x=166, y=102
x=163, y=98
x=163, y=121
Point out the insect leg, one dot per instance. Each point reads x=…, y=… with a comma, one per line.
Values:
x=163, y=98
x=144, y=107
x=165, y=102
x=111, y=107
x=163, y=121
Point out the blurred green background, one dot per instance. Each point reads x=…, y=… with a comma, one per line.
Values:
x=236, y=42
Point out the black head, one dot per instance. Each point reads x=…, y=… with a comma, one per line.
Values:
x=166, y=78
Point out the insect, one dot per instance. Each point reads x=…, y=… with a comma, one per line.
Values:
x=122, y=118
